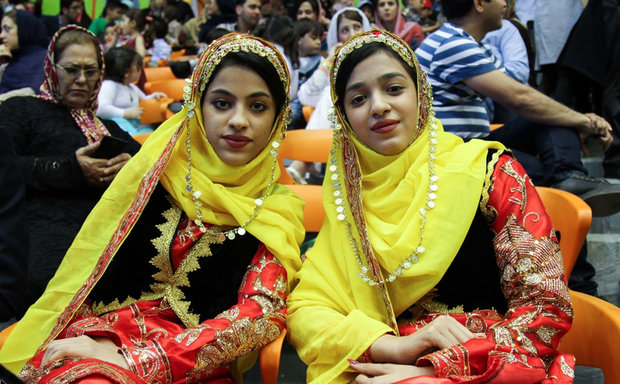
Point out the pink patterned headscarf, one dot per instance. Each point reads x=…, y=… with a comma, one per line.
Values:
x=92, y=128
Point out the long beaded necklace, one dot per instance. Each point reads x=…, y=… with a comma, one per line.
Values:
x=429, y=204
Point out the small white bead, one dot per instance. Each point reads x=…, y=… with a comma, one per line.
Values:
x=341, y=217
x=258, y=202
x=241, y=231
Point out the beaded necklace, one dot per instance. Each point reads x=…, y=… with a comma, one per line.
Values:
x=236, y=43
x=431, y=195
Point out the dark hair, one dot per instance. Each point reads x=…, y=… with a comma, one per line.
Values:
x=313, y=4
x=454, y=9
x=262, y=67
x=306, y=25
x=118, y=61
x=170, y=13
x=138, y=16
x=358, y=55
x=350, y=15
x=214, y=34
x=240, y=2
x=111, y=5
x=66, y=4
x=76, y=36
x=159, y=27
x=279, y=29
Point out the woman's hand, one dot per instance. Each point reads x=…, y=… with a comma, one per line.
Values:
x=84, y=347
x=160, y=95
x=443, y=332
x=134, y=113
x=387, y=373
x=99, y=171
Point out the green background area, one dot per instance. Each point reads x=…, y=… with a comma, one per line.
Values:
x=52, y=7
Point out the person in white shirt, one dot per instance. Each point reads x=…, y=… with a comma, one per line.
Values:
x=119, y=97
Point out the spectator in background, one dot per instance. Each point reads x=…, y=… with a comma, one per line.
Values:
x=110, y=36
x=309, y=32
x=311, y=9
x=388, y=16
x=71, y=12
x=173, y=26
x=545, y=136
x=13, y=234
x=132, y=25
x=368, y=8
x=219, y=12
x=188, y=36
x=161, y=48
x=248, y=16
x=119, y=98
x=54, y=136
x=112, y=12
x=25, y=36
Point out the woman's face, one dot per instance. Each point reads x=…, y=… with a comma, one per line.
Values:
x=305, y=11
x=348, y=28
x=380, y=103
x=388, y=10
x=9, y=33
x=78, y=73
x=238, y=112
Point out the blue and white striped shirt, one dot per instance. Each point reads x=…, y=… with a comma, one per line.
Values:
x=449, y=56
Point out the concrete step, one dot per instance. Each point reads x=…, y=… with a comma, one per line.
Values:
x=604, y=255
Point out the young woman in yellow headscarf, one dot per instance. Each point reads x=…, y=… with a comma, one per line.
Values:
x=437, y=262
x=184, y=266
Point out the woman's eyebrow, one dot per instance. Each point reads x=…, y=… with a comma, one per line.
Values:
x=227, y=93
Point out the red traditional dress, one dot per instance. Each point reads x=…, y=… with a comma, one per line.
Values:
x=165, y=337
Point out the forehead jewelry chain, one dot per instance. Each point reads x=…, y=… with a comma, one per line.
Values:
x=429, y=204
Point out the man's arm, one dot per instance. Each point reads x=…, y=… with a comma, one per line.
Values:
x=533, y=105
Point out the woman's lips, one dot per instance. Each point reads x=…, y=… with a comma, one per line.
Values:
x=237, y=141
x=384, y=126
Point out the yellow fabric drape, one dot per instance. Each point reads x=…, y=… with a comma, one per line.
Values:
x=333, y=314
x=228, y=198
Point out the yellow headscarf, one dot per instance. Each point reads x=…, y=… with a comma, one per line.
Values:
x=377, y=207
x=228, y=197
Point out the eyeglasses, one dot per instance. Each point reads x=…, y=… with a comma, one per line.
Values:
x=89, y=73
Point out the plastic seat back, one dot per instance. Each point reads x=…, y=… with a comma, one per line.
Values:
x=571, y=217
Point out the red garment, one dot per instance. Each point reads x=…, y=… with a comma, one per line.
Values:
x=521, y=346
x=160, y=349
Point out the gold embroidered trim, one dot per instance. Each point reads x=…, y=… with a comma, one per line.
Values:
x=489, y=213
x=241, y=337
x=168, y=283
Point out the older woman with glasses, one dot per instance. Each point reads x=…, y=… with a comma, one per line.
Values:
x=56, y=135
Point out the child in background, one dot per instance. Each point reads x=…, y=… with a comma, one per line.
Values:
x=170, y=16
x=110, y=36
x=161, y=49
x=119, y=98
x=309, y=32
x=112, y=12
x=132, y=25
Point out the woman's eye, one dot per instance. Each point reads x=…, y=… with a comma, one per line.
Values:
x=395, y=88
x=258, y=106
x=357, y=100
x=220, y=104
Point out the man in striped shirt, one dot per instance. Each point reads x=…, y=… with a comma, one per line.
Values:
x=463, y=72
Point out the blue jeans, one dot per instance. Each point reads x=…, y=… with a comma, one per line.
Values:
x=548, y=153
